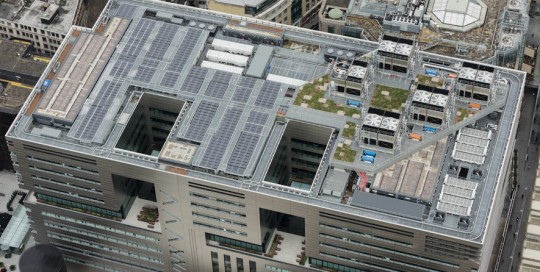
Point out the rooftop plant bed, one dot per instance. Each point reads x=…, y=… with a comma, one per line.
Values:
x=429, y=81
x=312, y=95
x=349, y=130
x=388, y=98
x=462, y=114
x=345, y=153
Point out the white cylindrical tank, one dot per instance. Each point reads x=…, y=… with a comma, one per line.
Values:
x=232, y=47
x=228, y=58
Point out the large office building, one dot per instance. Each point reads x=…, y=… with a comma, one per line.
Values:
x=171, y=138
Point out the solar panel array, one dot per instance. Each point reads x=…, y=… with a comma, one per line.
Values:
x=457, y=196
x=247, y=143
x=157, y=51
x=132, y=49
x=467, y=157
x=194, y=80
x=216, y=89
x=473, y=149
x=220, y=140
x=201, y=120
x=125, y=11
x=482, y=134
x=181, y=56
x=268, y=94
x=471, y=145
x=98, y=109
x=244, y=89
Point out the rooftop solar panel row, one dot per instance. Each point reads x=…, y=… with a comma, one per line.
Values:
x=201, y=120
x=220, y=140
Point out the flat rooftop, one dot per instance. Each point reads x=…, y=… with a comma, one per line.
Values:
x=32, y=13
x=13, y=59
x=227, y=125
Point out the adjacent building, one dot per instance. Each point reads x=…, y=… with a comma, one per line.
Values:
x=170, y=138
x=529, y=261
x=42, y=23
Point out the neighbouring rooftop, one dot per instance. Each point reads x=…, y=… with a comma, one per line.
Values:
x=56, y=16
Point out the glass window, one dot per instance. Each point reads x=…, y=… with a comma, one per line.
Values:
x=252, y=266
x=239, y=265
x=215, y=262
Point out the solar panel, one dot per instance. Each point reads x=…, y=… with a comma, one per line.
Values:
x=456, y=191
x=139, y=37
x=98, y=109
x=184, y=50
x=201, y=120
x=194, y=80
x=473, y=149
x=453, y=209
x=467, y=157
x=216, y=89
x=121, y=69
x=460, y=201
x=242, y=94
x=258, y=118
x=150, y=63
x=169, y=79
x=247, y=82
x=462, y=138
x=242, y=153
x=257, y=129
x=475, y=133
x=220, y=140
x=460, y=183
x=222, y=77
x=125, y=11
x=268, y=94
x=145, y=74
x=162, y=41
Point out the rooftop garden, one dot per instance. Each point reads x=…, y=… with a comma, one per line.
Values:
x=388, y=98
x=430, y=81
x=345, y=153
x=311, y=95
x=149, y=215
x=349, y=130
x=462, y=114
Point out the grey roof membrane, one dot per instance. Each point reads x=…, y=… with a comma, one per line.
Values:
x=388, y=205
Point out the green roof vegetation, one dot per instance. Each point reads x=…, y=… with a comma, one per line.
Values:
x=428, y=81
x=388, y=98
x=462, y=114
x=349, y=130
x=310, y=94
x=345, y=153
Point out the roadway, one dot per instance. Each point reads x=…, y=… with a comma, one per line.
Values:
x=527, y=147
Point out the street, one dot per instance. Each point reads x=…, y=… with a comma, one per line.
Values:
x=527, y=161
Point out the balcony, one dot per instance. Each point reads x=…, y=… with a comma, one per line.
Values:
x=288, y=248
x=143, y=214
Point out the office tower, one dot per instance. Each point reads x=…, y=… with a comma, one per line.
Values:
x=170, y=138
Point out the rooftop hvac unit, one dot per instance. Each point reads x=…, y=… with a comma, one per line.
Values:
x=387, y=46
x=484, y=76
x=507, y=41
x=390, y=123
x=467, y=73
x=357, y=71
x=373, y=120
x=421, y=96
x=439, y=100
x=403, y=49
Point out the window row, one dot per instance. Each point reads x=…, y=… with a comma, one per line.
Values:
x=61, y=164
x=380, y=258
x=100, y=236
x=97, y=255
x=58, y=173
x=241, y=233
x=365, y=235
x=67, y=184
x=218, y=200
x=80, y=207
x=70, y=194
x=219, y=210
x=104, y=247
x=218, y=219
x=101, y=227
x=385, y=249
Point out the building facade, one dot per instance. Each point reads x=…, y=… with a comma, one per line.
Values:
x=146, y=153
